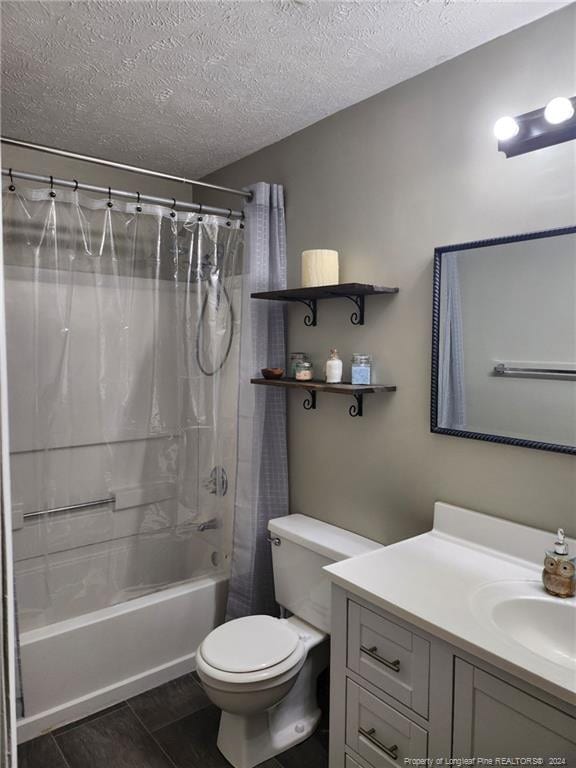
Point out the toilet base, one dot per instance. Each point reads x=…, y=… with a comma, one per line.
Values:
x=248, y=740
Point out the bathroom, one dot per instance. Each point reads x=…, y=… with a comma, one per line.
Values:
x=152, y=496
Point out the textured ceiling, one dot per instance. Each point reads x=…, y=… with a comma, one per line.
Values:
x=188, y=87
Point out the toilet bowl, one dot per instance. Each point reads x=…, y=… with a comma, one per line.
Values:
x=261, y=671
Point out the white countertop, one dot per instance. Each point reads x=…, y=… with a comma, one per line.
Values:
x=430, y=581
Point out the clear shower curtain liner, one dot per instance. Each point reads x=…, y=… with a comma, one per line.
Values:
x=123, y=339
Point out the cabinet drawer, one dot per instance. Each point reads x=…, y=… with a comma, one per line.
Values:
x=379, y=733
x=389, y=656
x=351, y=763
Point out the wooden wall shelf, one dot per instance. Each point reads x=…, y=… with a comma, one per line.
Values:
x=312, y=387
x=355, y=292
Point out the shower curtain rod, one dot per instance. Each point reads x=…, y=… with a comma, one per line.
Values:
x=123, y=166
x=168, y=201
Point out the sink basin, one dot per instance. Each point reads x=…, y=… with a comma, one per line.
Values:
x=527, y=615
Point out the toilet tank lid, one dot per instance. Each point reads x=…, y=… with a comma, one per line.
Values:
x=323, y=538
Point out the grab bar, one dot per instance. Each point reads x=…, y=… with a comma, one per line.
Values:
x=205, y=525
x=71, y=507
x=534, y=373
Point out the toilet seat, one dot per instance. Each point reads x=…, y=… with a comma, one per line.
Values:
x=249, y=644
x=251, y=652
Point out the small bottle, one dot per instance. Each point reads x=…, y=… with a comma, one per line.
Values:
x=333, y=368
x=361, y=369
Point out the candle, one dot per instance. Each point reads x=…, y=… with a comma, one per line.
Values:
x=319, y=267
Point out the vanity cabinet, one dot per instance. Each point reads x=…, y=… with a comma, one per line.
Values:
x=398, y=693
x=493, y=718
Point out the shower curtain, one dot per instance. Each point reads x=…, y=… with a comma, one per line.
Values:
x=451, y=391
x=123, y=338
x=262, y=466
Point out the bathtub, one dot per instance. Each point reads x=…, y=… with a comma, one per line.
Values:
x=79, y=666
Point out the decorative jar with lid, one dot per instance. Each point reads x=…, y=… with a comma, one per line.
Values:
x=304, y=370
x=361, y=368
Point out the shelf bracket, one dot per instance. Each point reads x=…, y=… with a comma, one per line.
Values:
x=310, y=402
x=356, y=409
x=311, y=318
x=357, y=317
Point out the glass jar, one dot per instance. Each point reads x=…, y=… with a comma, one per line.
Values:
x=304, y=370
x=333, y=368
x=361, y=368
x=296, y=357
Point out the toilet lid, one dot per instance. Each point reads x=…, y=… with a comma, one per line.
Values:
x=249, y=644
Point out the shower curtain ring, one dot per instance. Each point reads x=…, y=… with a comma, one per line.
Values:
x=52, y=193
x=228, y=223
x=109, y=203
x=173, y=212
x=12, y=188
x=75, y=185
x=200, y=206
x=138, y=206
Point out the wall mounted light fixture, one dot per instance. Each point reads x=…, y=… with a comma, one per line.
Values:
x=552, y=124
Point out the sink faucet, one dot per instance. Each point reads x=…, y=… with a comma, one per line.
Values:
x=559, y=574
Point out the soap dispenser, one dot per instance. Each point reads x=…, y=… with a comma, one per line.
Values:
x=559, y=574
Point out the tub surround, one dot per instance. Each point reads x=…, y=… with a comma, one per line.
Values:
x=448, y=581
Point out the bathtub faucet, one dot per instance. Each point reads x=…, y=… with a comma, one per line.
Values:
x=209, y=525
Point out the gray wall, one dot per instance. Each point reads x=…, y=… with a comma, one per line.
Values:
x=384, y=182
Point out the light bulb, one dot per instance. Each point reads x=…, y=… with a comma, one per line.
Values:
x=506, y=128
x=558, y=110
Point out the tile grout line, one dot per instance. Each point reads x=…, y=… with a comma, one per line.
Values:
x=86, y=720
x=160, y=747
x=176, y=719
x=60, y=752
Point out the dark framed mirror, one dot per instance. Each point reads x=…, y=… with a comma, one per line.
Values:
x=504, y=340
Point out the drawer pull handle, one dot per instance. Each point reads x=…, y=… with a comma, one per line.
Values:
x=372, y=652
x=369, y=734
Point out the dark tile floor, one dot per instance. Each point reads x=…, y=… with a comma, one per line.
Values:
x=173, y=726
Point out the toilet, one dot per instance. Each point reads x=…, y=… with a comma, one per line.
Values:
x=262, y=671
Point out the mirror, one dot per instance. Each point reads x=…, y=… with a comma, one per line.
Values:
x=504, y=340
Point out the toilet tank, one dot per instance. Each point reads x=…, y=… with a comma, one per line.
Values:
x=301, y=547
